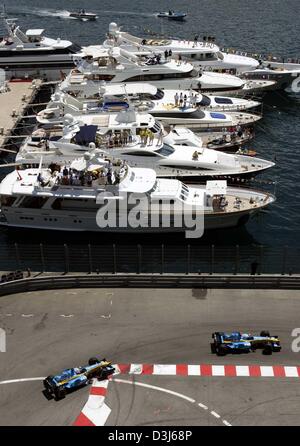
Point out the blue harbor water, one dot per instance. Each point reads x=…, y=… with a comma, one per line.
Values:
x=269, y=27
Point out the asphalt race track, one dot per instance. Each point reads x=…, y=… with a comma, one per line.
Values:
x=52, y=330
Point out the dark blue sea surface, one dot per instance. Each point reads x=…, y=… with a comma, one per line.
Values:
x=269, y=26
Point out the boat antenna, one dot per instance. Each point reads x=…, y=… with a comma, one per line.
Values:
x=40, y=165
x=127, y=95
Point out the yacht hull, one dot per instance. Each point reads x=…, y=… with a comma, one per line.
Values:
x=87, y=223
x=198, y=124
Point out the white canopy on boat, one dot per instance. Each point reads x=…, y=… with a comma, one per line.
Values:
x=34, y=32
x=218, y=187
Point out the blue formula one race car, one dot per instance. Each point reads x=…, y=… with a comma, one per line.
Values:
x=237, y=342
x=58, y=386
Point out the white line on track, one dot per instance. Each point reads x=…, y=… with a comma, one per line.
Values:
x=170, y=392
x=21, y=380
x=161, y=389
x=202, y=406
x=124, y=381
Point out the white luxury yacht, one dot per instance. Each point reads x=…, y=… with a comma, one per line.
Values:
x=96, y=63
x=285, y=75
x=208, y=56
x=204, y=54
x=187, y=115
x=144, y=97
x=117, y=198
x=138, y=139
x=31, y=53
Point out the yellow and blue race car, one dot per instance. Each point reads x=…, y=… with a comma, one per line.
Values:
x=236, y=342
x=58, y=386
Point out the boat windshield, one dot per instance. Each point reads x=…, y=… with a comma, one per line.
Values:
x=223, y=100
x=165, y=150
x=184, y=193
x=159, y=94
x=156, y=128
x=205, y=101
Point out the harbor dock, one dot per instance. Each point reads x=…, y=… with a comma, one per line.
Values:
x=13, y=104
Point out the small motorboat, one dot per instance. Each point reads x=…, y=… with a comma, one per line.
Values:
x=172, y=15
x=83, y=15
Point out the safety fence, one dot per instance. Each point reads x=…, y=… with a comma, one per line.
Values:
x=150, y=258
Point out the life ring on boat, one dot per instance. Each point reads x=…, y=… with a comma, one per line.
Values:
x=295, y=87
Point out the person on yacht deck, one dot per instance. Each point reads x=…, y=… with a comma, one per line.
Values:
x=151, y=138
x=194, y=100
x=147, y=137
x=109, y=173
x=110, y=141
x=176, y=98
x=223, y=202
x=184, y=101
x=125, y=137
x=160, y=137
x=40, y=179
x=142, y=136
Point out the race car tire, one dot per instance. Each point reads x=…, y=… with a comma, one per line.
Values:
x=50, y=377
x=268, y=349
x=276, y=349
x=93, y=361
x=213, y=347
x=60, y=394
x=220, y=351
x=46, y=385
x=102, y=375
x=265, y=334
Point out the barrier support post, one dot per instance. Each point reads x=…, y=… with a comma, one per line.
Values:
x=90, y=259
x=42, y=258
x=139, y=252
x=162, y=258
x=212, y=259
x=114, y=259
x=67, y=260
x=237, y=260
x=188, y=259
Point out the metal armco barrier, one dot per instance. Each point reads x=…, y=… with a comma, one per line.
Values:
x=150, y=281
